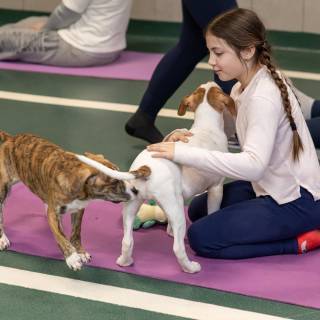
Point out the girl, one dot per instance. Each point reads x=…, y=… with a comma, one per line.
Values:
x=274, y=204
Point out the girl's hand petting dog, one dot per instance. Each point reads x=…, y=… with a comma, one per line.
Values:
x=162, y=150
x=179, y=136
x=166, y=149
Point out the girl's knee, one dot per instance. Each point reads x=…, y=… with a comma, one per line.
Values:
x=199, y=244
x=202, y=246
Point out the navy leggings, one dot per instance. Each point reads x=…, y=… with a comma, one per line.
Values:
x=247, y=226
x=179, y=62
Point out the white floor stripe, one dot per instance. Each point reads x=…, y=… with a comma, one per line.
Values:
x=295, y=49
x=91, y=104
x=77, y=103
x=124, y=297
x=289, y=73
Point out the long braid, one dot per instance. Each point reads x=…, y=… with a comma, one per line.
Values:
x=242, y=29
x=265, y=59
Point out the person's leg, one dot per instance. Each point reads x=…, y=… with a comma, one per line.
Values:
x=68, y=56
x=253, y=228
x=314, y=128
x=46, y=47
x=27, y=45
x=169, y=74
x=310, y=108
x=315, y=109
x=314, y=123
x=233, y=192
x=305, y=101
x=175, y=66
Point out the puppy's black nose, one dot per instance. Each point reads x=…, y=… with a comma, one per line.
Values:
x=134, y=190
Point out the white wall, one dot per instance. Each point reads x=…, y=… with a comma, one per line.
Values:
x=286, y=15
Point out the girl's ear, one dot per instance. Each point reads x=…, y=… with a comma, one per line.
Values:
x=248, y=53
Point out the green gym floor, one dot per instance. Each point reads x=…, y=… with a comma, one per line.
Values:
x=28, y=104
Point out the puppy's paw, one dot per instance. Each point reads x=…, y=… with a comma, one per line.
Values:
x=124, y=261
x=191, y=267
x=4, y=242
x=74, y=261
x=85, y=257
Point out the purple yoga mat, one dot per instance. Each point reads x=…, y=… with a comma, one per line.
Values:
x=131, y=65
x=288, y=278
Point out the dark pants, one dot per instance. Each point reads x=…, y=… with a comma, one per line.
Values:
x=247, y=226
x=314, y=123
x=179, y=62
x=314, y=128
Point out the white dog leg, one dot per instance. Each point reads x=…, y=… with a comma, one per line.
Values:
x=175, y=213
x=4, y=242
x=214, y=198
x=130, y=210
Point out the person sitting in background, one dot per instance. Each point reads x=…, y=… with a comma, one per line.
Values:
x=78, y=33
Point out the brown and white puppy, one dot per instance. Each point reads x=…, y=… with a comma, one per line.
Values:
x=170, y=184
x=63, y=183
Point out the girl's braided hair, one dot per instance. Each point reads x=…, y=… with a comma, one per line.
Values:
x=241, y=29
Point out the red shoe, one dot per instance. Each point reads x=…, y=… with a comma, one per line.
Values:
x=308, y=241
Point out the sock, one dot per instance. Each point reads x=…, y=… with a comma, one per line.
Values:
x=306, y=103
x=141, y=125
x=315, y=109
x=308, y=241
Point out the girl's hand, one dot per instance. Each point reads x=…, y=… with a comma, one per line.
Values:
x=162, y=150
x=179, y=136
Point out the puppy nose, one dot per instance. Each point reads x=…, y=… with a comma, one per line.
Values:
x=134, y=190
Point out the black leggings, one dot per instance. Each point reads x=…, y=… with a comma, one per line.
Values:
x=314, y=128
x=179, y=62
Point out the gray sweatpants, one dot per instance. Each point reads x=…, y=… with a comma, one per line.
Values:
x=20, y=42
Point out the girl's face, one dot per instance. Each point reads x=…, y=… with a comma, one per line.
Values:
x=224, y=60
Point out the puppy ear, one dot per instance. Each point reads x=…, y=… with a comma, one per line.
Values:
x=192, y=101
x=183, y=107
x=219, y=100
x=100, y=158
x=142, y=172
x=74, y=184
x=230, y=105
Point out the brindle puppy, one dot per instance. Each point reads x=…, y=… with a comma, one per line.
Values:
x=63, y=183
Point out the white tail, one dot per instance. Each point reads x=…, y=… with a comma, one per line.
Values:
x=109, y=172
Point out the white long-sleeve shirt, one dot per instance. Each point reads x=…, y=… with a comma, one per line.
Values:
x=101, y=27
x=265, y=138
